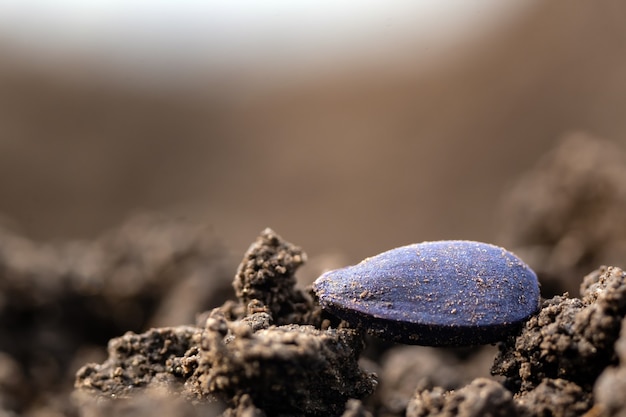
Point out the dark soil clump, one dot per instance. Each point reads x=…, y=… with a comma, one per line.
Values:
x=571, y=339
x=482, y=397
x=238, y=355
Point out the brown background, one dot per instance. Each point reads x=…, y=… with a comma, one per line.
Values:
x=352, y=163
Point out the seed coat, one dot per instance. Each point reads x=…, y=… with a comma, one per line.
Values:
x=444, y=293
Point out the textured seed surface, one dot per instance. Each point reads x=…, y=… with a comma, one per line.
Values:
x=446, y=293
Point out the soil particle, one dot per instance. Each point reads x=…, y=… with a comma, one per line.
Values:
x=245, y=408
x=321, y=367
x=266, y=276
x=409, y=369
x=138, y=361
x=355, y=408
x=482, y=397
x=485, y=397
x=569, y=338
x=554, y=397
x=239, y=355
x=611, y=385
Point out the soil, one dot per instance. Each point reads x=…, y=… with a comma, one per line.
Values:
x=268, y=349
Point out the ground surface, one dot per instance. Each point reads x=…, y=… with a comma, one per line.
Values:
x=186, y=338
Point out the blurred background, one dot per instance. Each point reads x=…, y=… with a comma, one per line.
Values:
x=347, y=127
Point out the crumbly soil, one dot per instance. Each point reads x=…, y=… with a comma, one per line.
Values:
x=267, y=348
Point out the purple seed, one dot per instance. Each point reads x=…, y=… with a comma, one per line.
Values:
x=446, y=293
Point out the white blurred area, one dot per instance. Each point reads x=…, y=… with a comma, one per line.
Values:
x=254, y=43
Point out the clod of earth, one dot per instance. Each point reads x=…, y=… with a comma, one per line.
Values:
x=244, y=352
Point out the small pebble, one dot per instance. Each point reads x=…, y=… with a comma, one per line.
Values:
x=445, y=293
